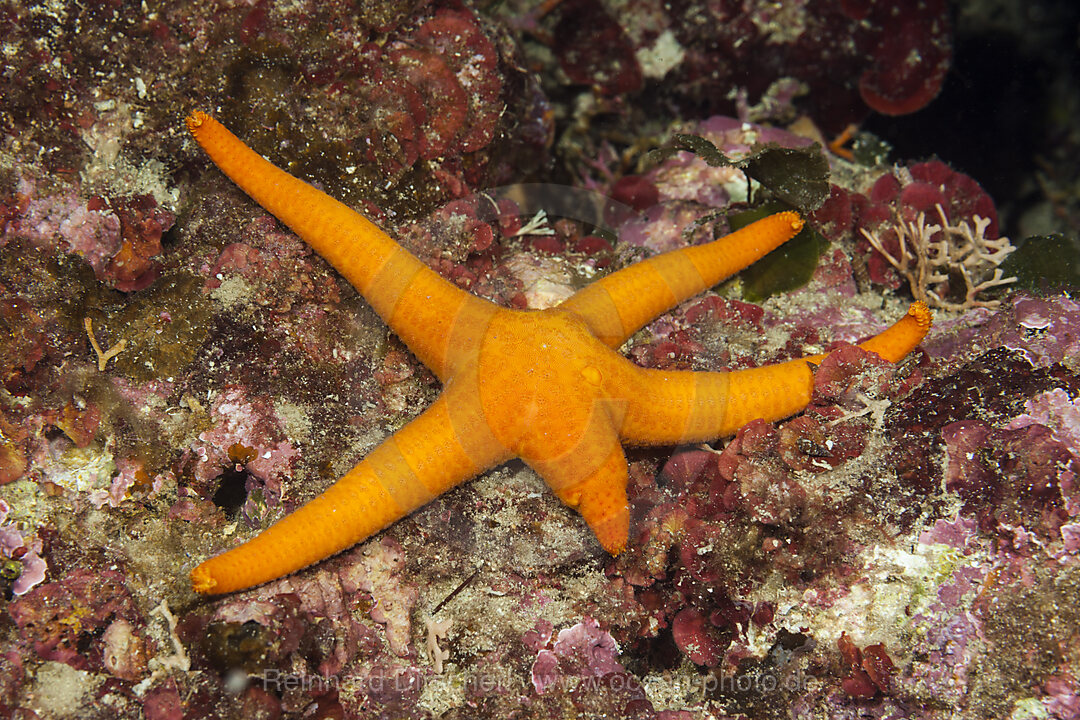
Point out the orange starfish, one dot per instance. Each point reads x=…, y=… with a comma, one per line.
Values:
x=546, y=385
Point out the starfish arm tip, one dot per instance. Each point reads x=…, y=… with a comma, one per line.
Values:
x=196, y=120
x=202, y=581
x=616, y=550
x=797, y=223
x=611, y=530
x=921, y=312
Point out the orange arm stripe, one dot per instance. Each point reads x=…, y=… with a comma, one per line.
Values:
x=382, y=270
x=705, y=406
x=601, y=499
x=770, y=393
x=421, y=461
x=687, y=406
x=354, y=507
x=639, y=293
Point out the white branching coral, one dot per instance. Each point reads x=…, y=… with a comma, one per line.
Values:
x=436, y=631
x=932, y=257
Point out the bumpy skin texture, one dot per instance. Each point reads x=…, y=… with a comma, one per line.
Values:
x=545, y=386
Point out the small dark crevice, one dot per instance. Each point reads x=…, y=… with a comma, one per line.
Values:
x=232, y=492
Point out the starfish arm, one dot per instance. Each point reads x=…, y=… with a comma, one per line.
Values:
x=596, y=486
x=421, y=307
x=436, y=451
x=618, y=305
x=683, y=406
x=576, y=450
x=900, y=339
x=667, y=408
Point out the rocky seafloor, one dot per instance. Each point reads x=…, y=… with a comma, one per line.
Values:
x=179, y=370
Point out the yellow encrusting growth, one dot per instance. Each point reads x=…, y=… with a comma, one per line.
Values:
x=545, y=386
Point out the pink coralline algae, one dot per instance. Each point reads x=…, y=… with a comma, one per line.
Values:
x=582, y=667
x=248, y=435
x=1020, y=476
x=439, y=88
x=1056, y=410
x=118, y=237
x=583, y=650
x=130, y=472
x=948, y=641
x=379, y=573
x=1061, y=697
x=24, y=568
x=1045, y=330
x=320, y=624
x=86, y=619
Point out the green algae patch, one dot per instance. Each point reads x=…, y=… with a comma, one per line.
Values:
x=163, y=328
x=787, y=268
x=797, y=176
x=1044, y=263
